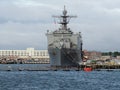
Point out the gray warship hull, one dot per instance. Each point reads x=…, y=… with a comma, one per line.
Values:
x=64, y=57
x=64, y=46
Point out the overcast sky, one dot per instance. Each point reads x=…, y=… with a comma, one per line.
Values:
x=23, y=23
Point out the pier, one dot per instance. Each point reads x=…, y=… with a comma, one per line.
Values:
x=47, y=67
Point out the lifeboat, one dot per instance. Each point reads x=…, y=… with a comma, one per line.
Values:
x=87, y=68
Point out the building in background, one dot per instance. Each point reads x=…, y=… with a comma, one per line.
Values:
x=29, y=55
x=92, y=55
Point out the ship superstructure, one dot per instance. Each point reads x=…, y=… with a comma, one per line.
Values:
x=64, y=46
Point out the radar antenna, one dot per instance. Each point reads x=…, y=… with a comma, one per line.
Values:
x=64, y=19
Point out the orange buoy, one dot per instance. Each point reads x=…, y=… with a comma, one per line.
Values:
x=87, y=68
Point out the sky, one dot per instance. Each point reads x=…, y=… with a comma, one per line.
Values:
x=24, y=23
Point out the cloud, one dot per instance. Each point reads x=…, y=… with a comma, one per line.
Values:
x=23, y=23
x=22, y=35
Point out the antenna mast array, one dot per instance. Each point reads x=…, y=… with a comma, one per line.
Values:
x=64, y=19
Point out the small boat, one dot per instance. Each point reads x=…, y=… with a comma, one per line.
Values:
x=9, y=68
x=20, y=69
x=88, y=68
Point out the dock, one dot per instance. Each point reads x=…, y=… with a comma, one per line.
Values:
x=38, y=67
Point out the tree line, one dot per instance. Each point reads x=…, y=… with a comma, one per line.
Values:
x=114, y=54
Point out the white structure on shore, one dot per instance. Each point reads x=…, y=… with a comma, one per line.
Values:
x=29, y=53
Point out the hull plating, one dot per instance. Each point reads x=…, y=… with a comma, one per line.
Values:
x=64, y=57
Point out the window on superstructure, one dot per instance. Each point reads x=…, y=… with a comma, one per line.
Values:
x=21, y=53
x=37, y=53
x=43, y=53
x=0, y=53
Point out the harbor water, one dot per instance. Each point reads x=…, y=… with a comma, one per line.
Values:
x=17, y=67
x=59, y=80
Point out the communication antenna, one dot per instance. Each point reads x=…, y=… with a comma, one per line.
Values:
x=64, y=19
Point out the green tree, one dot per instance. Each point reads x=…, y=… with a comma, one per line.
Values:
x=110, y=53
x=115, y=54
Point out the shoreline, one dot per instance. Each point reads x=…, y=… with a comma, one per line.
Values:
x=47, y=67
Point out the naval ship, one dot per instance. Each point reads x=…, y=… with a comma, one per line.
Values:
x=64, y=46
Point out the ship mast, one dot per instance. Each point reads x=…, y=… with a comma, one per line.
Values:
x=64, y=19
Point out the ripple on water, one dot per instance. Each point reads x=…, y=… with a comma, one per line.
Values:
x=59, y=80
